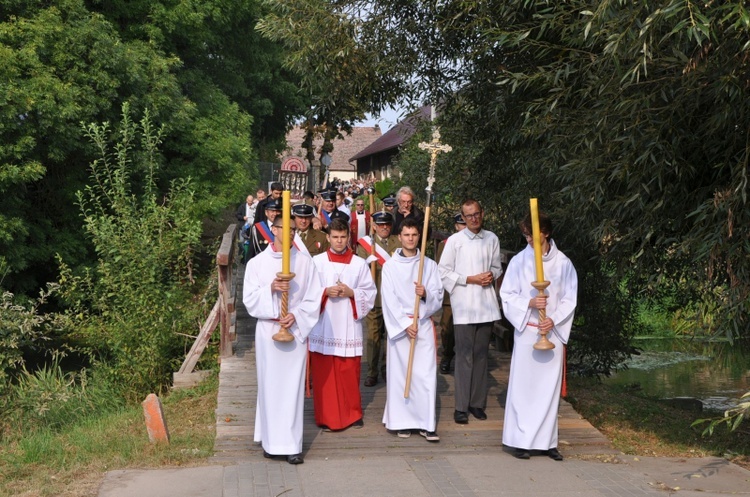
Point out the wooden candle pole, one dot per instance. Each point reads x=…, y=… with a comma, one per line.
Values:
x=283, y=334
x=540, y=284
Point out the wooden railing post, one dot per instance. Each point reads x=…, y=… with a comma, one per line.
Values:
x=224, y=262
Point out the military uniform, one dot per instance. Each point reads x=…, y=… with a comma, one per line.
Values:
x=374, y=318
x=315, y=241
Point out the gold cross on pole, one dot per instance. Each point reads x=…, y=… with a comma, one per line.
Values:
x=434, y=147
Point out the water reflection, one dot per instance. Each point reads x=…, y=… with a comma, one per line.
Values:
x=715, y=372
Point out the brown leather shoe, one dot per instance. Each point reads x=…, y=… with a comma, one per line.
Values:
x=371, y=381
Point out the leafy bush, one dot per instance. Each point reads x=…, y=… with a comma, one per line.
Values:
x=22, y=328
x=131, y=309
x=50, y=398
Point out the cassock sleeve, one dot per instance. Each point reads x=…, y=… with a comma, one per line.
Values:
x=364, y=294
x=391, y=294
x=447, y=267
x=566, y=304
x=514, y=293
x=496, y=263
x=433, y=291
x=259, y=300
x=306, y=304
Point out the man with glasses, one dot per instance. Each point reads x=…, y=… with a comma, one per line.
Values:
x=406, y=209
x=281, y=366
x=469, y=266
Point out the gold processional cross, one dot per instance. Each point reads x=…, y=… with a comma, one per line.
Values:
x=434, y=147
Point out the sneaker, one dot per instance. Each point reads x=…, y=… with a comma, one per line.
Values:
x=431, y=436
x=404, y=433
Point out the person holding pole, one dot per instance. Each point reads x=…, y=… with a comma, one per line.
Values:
x=336, y=340
x=536, y=373
x=469, y=266
x=401, y=283
x=281, y=365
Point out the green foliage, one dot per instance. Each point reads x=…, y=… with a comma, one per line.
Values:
x=732, y=417
x=23, y=328
x=62, y=64
x=132, y=306
x=50, y=398
x=384, y=188
x=628, y=121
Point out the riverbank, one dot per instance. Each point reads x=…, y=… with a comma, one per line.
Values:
x=640, y=425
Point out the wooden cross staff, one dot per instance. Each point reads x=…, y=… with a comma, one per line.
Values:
x=434, y=147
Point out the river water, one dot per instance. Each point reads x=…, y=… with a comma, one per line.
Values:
x=717, y=373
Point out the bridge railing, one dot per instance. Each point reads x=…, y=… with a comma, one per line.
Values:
x=223, y=314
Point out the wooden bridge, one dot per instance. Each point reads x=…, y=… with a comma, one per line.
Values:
x=235, y=414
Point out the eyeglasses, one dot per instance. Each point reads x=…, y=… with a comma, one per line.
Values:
x=474, y=216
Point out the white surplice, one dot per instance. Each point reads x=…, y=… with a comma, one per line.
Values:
x=536, y=375
x=399, y=275
x=281, y=366
x=339, y=329
x=468, y=254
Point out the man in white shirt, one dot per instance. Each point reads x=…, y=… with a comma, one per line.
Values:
x=469, y=266
x=360, y=222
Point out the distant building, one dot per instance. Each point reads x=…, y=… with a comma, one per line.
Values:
x=341, y=167
x=375, y=160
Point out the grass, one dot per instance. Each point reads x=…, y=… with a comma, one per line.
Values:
x=640, y=425
x=72, y=462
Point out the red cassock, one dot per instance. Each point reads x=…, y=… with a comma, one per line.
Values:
x=335, y=380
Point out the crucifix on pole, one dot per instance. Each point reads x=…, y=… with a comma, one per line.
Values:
x=434, y=147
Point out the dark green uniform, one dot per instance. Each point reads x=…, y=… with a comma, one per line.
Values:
x=374, y=319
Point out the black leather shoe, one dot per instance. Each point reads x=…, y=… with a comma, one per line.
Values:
x=267, y=455
x=478, y=413
x=522, y=454
x=461, y=417
x=371, y=381
x=555, y=454
x=295, y=459
x=445, y=367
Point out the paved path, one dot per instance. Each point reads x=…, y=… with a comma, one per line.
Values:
x=468, y=461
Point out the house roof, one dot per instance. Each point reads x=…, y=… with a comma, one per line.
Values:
x=361, y=138
x=396, y=135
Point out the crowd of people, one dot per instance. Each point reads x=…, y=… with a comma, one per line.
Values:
x=357, y=286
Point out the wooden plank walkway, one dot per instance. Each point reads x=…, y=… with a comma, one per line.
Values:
x=235, y=415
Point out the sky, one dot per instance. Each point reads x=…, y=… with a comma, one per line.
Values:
x=388, y=119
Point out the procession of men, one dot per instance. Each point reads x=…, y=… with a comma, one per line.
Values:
x=364, y=288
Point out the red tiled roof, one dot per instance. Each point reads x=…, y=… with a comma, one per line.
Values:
x=396, y=135
x=361, y=137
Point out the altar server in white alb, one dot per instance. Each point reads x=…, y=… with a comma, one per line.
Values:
x=399, y=290
x=281, y=366
x=536, y=375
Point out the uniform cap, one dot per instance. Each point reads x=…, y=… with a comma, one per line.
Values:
x=459, y=219
x=382, y=218
x=274, y=205
x=302, y=210
x=337, y=214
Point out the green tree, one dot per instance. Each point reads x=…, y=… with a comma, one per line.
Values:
x=60, y=65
